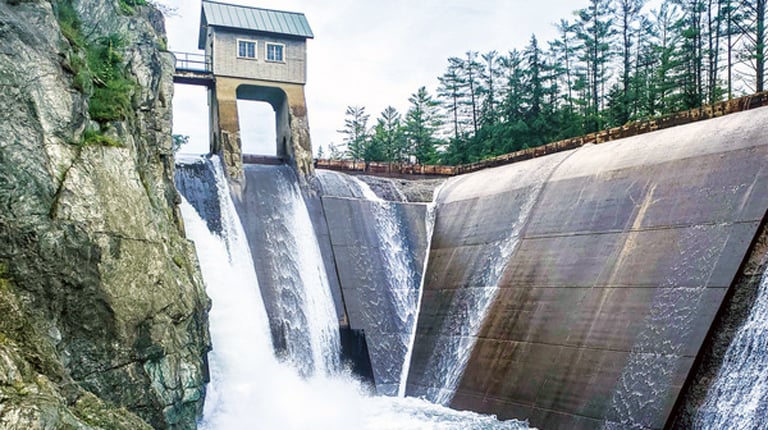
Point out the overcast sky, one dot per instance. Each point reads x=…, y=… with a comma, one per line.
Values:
x=371, y=53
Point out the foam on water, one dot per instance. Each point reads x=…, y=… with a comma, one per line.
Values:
x=250, y=388
x=739, y=396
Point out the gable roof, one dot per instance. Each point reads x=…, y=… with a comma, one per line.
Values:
x=252, y=19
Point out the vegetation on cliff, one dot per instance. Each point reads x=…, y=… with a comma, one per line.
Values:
x=106, y=308
x=98, y=69
x=613, y=62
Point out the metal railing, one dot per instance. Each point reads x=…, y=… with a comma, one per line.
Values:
x=193, y=62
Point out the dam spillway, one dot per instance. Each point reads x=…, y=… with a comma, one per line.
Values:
x=254, y=379
x=622, y=265
x=574, y=290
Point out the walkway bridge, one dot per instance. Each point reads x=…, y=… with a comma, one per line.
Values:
x=193, y=69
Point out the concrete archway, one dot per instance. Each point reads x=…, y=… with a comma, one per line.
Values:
x=292, y=127
x=276, y=98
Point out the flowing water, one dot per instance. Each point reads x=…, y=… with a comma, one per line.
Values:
x=293, y=278
x=738, y=398
x=430, y=227
x=251, y=388
x=468, y=311
x=402, y=282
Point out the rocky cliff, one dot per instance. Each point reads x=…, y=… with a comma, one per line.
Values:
x=103, y=309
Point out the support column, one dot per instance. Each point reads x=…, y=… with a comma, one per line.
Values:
x=299, y=148
x=226, y=128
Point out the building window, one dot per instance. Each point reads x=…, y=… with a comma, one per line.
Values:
x=246, y=49
x=276, y=52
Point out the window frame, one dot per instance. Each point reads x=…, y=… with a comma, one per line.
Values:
x=255, y=49
x=266, y=52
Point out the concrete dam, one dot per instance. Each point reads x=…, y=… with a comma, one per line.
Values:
x=615, y=286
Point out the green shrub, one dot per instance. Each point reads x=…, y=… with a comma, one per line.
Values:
x=99, y=72
x=69, y=22
x=127, y=6
x=93, y=137
x=110, y=99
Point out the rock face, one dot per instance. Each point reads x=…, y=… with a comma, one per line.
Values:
x=403, y=190
x=620, y=266
x=106, y=295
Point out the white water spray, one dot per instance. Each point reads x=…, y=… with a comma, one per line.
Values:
x=739, y=396
x=429, y=220
x=250, y=388
x=298, y=234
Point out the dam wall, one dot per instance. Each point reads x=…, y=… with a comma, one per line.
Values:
x=379, y=248
x=371, y=252
x=374, y=305
x=594, y=274
x=721, y=390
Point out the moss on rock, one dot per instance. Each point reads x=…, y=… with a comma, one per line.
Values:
x=102, y=304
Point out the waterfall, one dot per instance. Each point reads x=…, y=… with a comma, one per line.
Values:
x=430, y=223
x=738, y=397
x=250, y=387
x=293, y=279
x=298, y=232
x=403, y=280
x=241, y=345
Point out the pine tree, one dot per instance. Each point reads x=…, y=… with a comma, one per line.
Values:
x=489, y=89
x=356, y=132
x=563, y=52
x=513, y=71
x=471, y=72
x=387, y=141
x=514, y=130
x=732, y=17
x=628, y=16
x=534, y=85
x=422, y=121
x=714, y=34
x=595, y=30
x=667, y=46
x=452, y=91
x=754, y=49
x=690, y=26
x=642, y=81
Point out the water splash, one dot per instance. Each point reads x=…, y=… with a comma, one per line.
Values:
x=739, y=396
x=251, y=388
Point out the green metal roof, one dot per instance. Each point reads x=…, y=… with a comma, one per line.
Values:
x=252, y=19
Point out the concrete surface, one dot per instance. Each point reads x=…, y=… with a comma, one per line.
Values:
x=621, y=266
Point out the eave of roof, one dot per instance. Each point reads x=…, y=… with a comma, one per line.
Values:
x=282, y=23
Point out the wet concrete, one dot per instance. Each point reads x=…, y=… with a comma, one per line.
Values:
x=374, y=307
x=620, y=268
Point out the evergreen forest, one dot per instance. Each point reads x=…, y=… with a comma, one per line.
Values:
x=612, y=62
